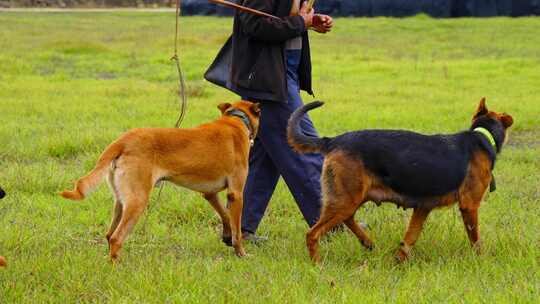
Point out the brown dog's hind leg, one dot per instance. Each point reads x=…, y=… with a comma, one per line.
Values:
x=359, y=232
x=117, y=209
x=134, y=191
x=130, y=214
x=116, y=216
x=213, y=199
x=416, y=223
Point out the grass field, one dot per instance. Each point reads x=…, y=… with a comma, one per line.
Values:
x=71, y=83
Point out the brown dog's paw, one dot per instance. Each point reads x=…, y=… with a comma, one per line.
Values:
x=240, y=252
x=114, y=259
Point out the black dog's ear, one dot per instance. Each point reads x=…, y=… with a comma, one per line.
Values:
x=506, y=120
x=224, y=106
x=255, y=109
x=482, y=109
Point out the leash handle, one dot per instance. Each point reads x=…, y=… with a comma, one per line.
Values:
x=242, y=8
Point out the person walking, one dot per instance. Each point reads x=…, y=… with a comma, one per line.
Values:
x=267, y=60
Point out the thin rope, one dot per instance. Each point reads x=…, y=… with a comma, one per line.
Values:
x=182, y=96
x=176, y=58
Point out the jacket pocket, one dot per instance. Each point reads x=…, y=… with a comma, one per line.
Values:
x=267, y=74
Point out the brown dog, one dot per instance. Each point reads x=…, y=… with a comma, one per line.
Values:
x=409, y=169
x=206, y=159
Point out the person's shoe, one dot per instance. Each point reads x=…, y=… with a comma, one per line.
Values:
x=253, y=238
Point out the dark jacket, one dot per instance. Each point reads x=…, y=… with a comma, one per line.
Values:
x=252, y=63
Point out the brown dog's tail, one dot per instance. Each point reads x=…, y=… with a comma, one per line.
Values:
x=297, y=139
x=87, y=183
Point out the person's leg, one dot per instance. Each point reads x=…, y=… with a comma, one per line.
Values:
x=301, y=172
x=302, y=176
x=260, y=184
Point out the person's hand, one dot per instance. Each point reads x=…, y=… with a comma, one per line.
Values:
x=307, y=14
x=322, y=23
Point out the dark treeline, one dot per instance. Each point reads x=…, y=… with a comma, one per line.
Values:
x=363, y=8
x=399, y=8
x=88, y=3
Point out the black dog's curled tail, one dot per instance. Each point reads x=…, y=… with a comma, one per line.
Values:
x=297, y=139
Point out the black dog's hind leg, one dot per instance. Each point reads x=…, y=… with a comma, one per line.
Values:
x=359, y=232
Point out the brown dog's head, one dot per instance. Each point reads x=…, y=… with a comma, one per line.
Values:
x=250, y=109
x=496, y=123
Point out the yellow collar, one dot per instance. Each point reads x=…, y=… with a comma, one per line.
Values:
x=487, y=134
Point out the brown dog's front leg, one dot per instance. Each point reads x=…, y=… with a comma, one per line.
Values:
x=416, y=223
x=213, y=199
x=470, y=219
x=235, y=201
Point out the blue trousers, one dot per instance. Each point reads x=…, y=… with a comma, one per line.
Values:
x=272, y=157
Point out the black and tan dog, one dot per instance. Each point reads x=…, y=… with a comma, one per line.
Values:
x=3, y=262
x=409, y=169
x=208, y=159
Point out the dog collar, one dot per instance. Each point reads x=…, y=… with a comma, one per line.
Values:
x=487, y=134
x=243, y=116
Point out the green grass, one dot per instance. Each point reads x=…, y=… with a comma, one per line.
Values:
x=71, y=83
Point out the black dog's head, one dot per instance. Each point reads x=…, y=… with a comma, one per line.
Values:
x=496, y=123
x=2, y=193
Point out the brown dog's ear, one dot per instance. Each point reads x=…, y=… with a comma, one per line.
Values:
x=506, y=120
x=482, y=109
x=224, y=106
x=255, y=109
